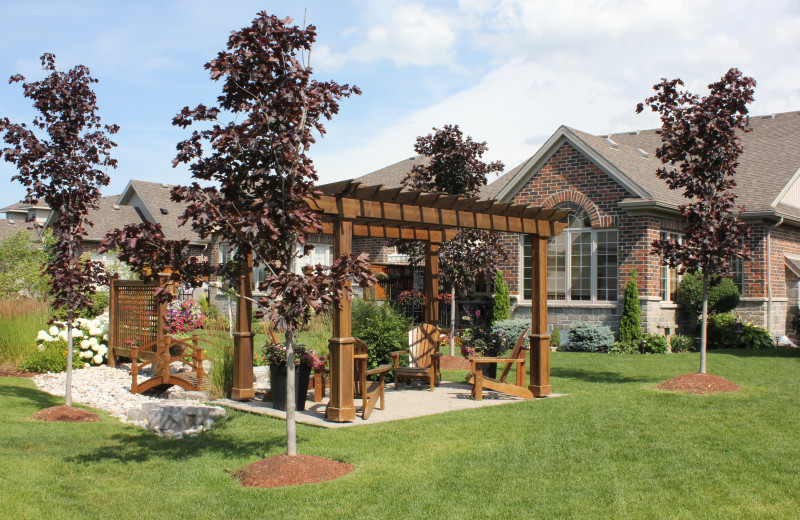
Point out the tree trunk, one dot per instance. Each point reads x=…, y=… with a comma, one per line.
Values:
x=291, y=425
x=453, y=322
x=68, y=390
x=704, y=326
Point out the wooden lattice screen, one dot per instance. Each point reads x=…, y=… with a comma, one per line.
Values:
x=134, y=315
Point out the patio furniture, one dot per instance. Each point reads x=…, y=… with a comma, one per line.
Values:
x=479, y=381
x=193, y=380
x=423, y=358
x=370, y=392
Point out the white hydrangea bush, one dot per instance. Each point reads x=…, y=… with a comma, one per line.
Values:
x=89, y=338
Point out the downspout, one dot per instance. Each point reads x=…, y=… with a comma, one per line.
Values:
x=769, y=272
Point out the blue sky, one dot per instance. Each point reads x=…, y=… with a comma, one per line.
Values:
x=509, y=72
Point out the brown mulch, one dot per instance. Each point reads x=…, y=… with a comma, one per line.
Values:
x=282, y=470
x=64, y=413
x=17, y=374
x=454, y=363
x=697, y=383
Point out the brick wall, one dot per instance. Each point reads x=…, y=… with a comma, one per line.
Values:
x=377, y=248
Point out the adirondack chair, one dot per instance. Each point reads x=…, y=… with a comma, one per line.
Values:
x=370, y=392
x=423, y=343
x=479, y=382
x=318, y=382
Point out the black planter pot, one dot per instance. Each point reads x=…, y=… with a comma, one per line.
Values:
x=489, y=370
x=277, y=381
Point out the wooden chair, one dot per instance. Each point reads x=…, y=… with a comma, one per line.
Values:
x=370, y=392
x=423, y=356
x=479, y=382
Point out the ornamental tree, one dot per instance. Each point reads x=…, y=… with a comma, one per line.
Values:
x=700, y=147
x=456, y=168
x=252, y=146
x=62, y=158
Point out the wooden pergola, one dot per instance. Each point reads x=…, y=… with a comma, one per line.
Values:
x=350, y=209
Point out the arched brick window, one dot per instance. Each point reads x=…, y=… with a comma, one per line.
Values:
x=582, y=261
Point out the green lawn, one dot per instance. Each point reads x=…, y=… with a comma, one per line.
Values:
x=613, y=448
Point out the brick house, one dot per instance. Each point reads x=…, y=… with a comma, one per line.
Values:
x=620, y=207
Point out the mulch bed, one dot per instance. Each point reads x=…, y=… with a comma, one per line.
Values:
x=697, y=383
x=18, y=374
x=454, y=363
x=64, y=413
x=282, y=470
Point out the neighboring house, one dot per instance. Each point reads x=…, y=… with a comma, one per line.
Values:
x=621, y=206
x=17, y=216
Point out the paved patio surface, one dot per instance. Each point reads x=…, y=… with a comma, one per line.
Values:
x=406, y=403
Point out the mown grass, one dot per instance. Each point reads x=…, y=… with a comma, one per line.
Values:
x=614, y=447
x=20, y=321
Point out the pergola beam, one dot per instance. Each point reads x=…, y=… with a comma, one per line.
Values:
x=503, y=217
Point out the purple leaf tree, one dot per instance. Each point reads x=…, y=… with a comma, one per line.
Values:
x=700, y=147
x=62, y=158
x=456, y=168
x=252, y=148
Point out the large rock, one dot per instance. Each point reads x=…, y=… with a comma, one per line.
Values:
x=175, y=418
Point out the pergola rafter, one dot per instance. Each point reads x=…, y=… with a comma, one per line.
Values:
x=349, y=209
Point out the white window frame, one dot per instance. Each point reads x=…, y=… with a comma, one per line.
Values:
x=664, y=272
x=568, y=267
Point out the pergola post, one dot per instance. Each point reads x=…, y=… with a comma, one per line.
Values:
x=432, y=283
x=540, y=339
x=243, y=337
x=341, y=407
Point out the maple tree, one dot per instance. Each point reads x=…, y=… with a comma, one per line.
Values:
x=700, y=147
x=456, y=168
x=253, y=148
x=62, y=158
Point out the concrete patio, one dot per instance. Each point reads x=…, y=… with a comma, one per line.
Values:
x=410, y=401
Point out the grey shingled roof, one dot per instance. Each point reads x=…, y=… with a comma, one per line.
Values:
x=157, y=196
x=110, y=216
x=10, y=228
x=392, y=176
x=770, y=158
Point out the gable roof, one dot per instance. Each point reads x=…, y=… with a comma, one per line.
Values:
x=392, y=176
x=110, y=216
x=158, y=208
x=9, y=228
x=769, y=162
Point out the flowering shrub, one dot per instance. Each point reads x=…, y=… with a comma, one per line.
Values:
x=444, y=298
x=90, y=343
x=409, y=299
x=183, y=316
x=479, y=341
x=275, y=355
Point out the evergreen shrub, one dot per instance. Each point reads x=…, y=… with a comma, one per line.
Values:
x=722, y=330
x=630, y=328
x=555, y=337
x=511, y=329
x=502, y=299
x=584, y=337
x=723, y=295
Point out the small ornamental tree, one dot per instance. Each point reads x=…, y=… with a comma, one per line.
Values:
x=62, y=159
x=502, y=298
x=630, y=326
x=456, y=168
x=256, y=159
x=700, y=149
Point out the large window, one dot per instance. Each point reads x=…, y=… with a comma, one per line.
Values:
x=581, y=261
x=669, y=275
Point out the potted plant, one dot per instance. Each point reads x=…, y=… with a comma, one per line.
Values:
x=305, y=359
x=483, y=342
